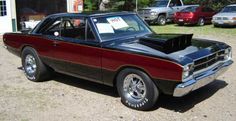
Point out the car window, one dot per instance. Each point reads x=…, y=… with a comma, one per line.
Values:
x=52, y=27
x=77, y=28
x=229, y=9
x=175, y=3
x=159, y=4
x=190, y=9
x=111, y=27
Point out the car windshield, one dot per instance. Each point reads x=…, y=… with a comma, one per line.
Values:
x=120, y=26
x=160, y=4
x=229, y=9
x=190, y=9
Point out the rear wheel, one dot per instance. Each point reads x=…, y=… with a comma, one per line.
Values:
x=201, y=22
x=33, y=67
x=161, y=20
x=180, y=24
x=136, y=89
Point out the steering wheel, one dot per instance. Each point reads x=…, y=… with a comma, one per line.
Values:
x=130, y=29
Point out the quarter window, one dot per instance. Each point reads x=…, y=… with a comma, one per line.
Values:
x=3, y=8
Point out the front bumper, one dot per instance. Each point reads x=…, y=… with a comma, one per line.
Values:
x=224, y=22
x=148, y=17
x=202, y=78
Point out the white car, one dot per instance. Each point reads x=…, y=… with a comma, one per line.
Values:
x=226, y=17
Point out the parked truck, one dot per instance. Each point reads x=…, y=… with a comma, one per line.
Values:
x=161, y=11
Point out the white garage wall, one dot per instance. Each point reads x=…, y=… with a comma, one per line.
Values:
x=6, y=21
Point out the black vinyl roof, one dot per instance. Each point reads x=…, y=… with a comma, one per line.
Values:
x=90, y=14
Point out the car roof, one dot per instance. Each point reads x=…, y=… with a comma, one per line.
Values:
x=90, y=14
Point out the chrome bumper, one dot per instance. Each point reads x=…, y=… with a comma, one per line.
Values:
x=148, y=17
x=224, y=22
x=202, y=79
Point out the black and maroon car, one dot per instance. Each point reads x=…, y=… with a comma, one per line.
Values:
x=194, y=15
x=119, y=49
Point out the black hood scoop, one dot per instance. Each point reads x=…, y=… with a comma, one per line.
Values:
x=167, y=43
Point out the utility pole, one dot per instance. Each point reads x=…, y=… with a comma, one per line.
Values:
x=136, y=6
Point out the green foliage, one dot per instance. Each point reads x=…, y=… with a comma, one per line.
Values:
x=215, y=4
x=118, y=4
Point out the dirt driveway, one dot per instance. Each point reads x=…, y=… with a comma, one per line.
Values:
x=70, y=99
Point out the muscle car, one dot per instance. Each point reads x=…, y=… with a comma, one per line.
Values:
x=120, y=50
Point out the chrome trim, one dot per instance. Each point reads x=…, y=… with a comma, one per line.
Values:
x=202, y=78
x=210, y=54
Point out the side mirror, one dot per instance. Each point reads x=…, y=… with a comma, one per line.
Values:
x=56, y=34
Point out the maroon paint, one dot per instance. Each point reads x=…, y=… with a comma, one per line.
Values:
x=111, y=60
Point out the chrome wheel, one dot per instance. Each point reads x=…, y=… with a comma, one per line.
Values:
x=161, y=20
x=201, y=22
x=30, y=66
x=134, y=87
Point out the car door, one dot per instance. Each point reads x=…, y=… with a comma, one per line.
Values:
x=75, y=53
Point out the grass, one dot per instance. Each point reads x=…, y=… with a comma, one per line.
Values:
x=198, y=31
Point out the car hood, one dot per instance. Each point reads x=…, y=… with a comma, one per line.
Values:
x=156, y=9
x=225, y=15
x=180, y=48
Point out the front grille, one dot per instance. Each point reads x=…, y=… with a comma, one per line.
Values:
x=225, y=18
x=218, y=18
x=208, y=60
x=144, y=11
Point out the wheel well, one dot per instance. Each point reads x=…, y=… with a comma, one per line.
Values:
x=23, y=47
x=126, y=67
x=162, y=14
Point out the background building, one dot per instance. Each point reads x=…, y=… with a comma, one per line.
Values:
x=16, y=15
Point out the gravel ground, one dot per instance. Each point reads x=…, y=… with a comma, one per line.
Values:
x=70, y=99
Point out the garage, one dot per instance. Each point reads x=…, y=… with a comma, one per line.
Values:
x=30, y=12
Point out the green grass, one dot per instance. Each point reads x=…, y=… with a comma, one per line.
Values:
x=207, y=30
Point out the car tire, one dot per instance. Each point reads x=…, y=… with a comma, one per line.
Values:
x=161, y=20
x=35, y=70
x=201, y=22
x=215, y=25
x=180, y=24
x=136, y=89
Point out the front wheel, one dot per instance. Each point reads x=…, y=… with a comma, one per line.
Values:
x=161, y=20
x=136, y=89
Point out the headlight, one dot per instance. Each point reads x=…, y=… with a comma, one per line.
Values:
x=228, y=54
x=187, y=70
x=153, y=13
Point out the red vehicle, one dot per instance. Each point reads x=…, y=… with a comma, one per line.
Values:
x=194, y=15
